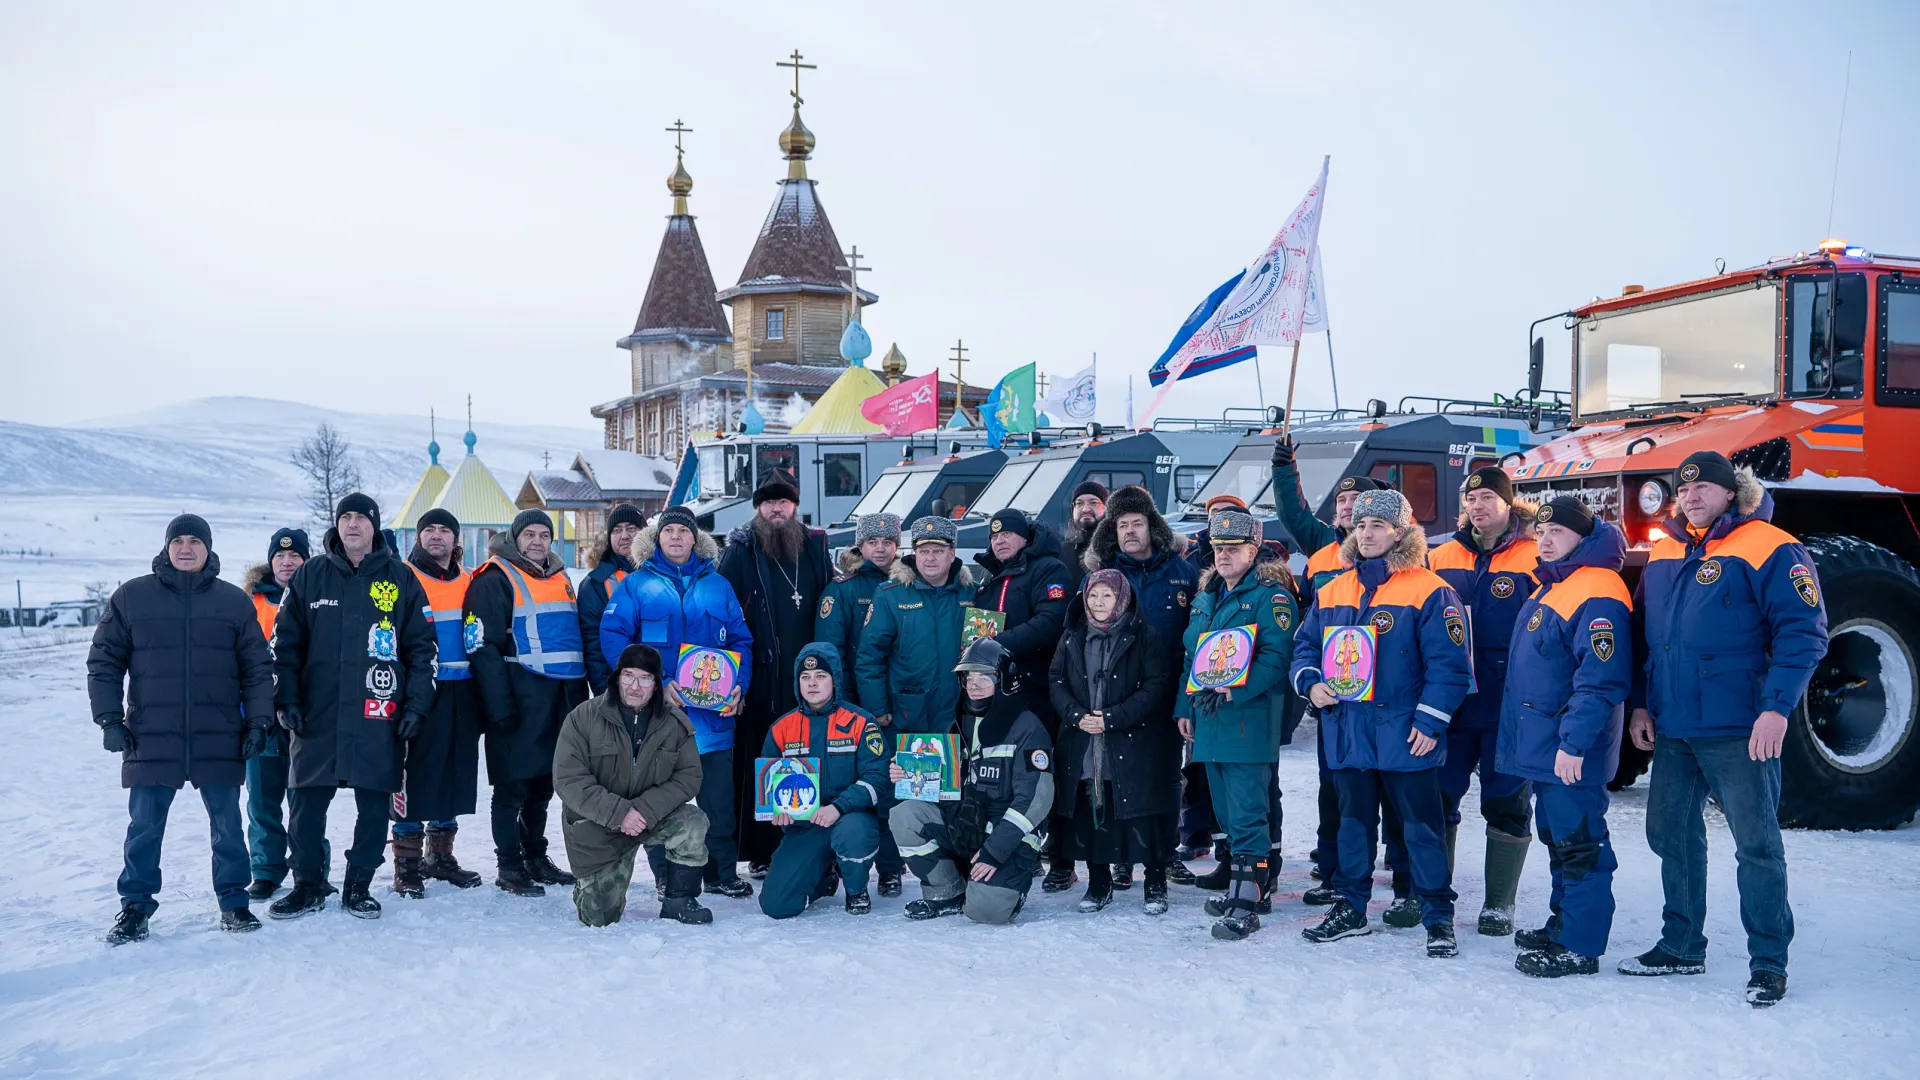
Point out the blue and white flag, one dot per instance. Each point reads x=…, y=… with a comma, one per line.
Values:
x=1073, y=398
x=1264, y=304
x=686, y=485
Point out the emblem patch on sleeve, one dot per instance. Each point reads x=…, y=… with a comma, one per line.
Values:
x=826, y=606
x=1804, y=584
x=1039, y=759
x=1600, y=624
x=1056, y=592
x=1603, y=645
x=1708, y=573
x=1456, y=624
x=385, y=594
x=875, y=744
x=1534, y=623
x=1282, y=614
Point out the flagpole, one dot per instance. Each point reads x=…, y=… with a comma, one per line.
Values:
x=1259, y=380
x=1332, y=373
x=1286, y=418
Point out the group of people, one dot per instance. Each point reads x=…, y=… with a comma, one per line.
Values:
x=1119, y=698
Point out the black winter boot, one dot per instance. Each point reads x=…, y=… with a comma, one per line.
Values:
x=1658, y=961
x=683, y=897
x=892, y=883
x=1344, y=921
x=737, y=888
x=407, y=861
x=440, y=863
x=355, y=894
x=1402, y=914
x=1440, y=941
x=1178, y=873
x=1555, y=961
x=1060, y=877
x=1239, y=919
x=239, y=921
x=542, y=869
x=1156, y=891
x=1217, y=879
x=305, y=899
x=1121, y=876
x=924, y=908
x=1320, y=896
x=1535, y=940
x=1099, y=888
x=130, y=926
x=859, y=903
x=262, y=889
x=512, y=877
x=1765, y=989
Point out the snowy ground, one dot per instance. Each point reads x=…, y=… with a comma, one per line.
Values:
x=481, y=984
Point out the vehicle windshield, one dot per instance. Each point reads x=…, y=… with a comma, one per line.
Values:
x=877, y=495
x=1041, y=485
x=1000, y=492
x=1246, y=473
x=917, y=484
x=1321, y=466
x=1681, y=352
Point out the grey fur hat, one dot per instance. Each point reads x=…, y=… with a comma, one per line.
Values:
x=877, y=527
x=1389, y=506
x=1233, y=527
x=935, y=530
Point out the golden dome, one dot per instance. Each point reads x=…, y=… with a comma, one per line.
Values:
x=894, y=364
x=680, y=183
x=797, y=143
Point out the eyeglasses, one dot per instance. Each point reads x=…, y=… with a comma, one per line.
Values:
x=638, y=678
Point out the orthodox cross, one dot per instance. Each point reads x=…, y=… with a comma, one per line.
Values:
x=796, y=65
x=1041, y=380
x=678, y=130
x=853, y=274
x=959, y=359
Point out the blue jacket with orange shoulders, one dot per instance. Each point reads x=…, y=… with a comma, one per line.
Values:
x=1495, y=584
x=1570, y=666
x=852, y=751
x=1728, y=624
x=1420, y=660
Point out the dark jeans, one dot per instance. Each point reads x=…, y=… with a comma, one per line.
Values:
x=1573, y=826
x=1417, y=796
x=308, y=832
x=520, y=820
x=1197, y=824
x=1685, y=771
x=147, y=824
x=1326, y=851
x=1503, y=798
x=419, y=828
x=1246, y=802
x=266, y=834
x=715, y=799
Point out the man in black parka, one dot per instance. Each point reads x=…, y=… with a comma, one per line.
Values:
x=354, y=651
x=181, y=684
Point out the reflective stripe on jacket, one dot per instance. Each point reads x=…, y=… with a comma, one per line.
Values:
x=546, y=625
x=455, y=632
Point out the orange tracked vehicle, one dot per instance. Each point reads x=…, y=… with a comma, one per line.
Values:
x=1806, y=369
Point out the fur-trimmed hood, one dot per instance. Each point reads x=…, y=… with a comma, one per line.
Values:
x=1751, y=502
x=903, y=572
x=601, y=547
x=1103, y=548
x=1748, y=491
x=850, y=559
x=645, y=544
x=1410, y=553
x=256, y=575
x=1269, y=568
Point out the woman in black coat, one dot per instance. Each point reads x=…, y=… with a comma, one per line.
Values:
x=1117, y=755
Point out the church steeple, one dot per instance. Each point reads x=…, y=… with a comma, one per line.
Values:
x=682, y=329
x=680, y=184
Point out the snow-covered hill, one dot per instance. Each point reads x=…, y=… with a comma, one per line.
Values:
x=92, y=498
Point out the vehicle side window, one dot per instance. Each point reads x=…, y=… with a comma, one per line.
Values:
x=1899, y=346
x=1418, y=481
x=958, y=495
x=1114, y=481
x=840, y=474
x=1826, y=335
x=1186, y=483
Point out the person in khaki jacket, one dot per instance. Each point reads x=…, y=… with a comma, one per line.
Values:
x=625, y=768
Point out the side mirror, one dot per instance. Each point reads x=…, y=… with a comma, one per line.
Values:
x=1536, y=366
x=937, y=508
x=1533, y=419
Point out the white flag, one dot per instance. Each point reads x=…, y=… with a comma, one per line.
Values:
x=1314, y=319
x=1266, y=304
x=1072, y=398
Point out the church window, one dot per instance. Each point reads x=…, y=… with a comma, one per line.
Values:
x=776, y=324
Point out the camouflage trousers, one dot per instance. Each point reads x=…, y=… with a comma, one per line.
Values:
x=600, y=894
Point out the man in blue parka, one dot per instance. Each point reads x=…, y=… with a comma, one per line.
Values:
x=1385, y=700
x=853, y=757
x=676, y=597
x=1490, y=563
x=1568, y=673
x=1729, y=621
x=1236, y=729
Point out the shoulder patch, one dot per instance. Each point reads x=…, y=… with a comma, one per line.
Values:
x=1600, y=624
x=1282, y=612
x=869, y=617
x=1039, y=759
x=826, y=606
x=1804, y=585
x=1534, y=623
x=875, y=744
x=1456, y=624
x=1602, y=644
x=1056, y=592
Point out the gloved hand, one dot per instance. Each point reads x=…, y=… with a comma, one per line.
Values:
x=1283, y=452
x=253, y=743
x=969, y=828
x=292, y=719
x=1206, y=703
x=115, y=737
x=408, y=727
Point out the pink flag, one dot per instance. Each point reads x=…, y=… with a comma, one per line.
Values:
x=906, y=408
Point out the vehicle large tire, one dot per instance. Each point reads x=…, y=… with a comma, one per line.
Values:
x=1852, y=756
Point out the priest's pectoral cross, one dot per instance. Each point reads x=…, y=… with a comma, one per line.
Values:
x=796, y=598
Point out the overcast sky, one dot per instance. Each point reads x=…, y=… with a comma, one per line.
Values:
x=382, y=207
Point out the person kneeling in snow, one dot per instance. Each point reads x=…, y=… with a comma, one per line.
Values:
x=626, y=768
x=853, y=765
x=998, y=826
